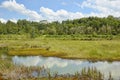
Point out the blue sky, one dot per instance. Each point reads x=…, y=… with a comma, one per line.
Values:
x=55, y=5
x=52, y=10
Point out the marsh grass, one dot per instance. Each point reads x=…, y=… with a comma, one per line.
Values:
x=3, y=51
x=35, y=52
x=64, y=48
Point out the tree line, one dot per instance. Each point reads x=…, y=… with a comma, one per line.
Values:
x=88, y=26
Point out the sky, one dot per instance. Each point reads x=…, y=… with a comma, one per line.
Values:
x=56, y=10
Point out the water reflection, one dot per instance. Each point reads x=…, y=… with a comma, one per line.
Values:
x=63, y=66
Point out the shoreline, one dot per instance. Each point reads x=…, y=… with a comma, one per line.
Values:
x=61, y=55
x=103, y=50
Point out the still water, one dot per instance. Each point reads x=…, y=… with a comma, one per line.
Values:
x=64, y=66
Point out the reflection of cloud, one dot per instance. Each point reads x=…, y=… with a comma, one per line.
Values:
x=76, y=62
x=37, y=61
x=74, y=65
x=106, y=67
x=50, y=62
x=27, y=61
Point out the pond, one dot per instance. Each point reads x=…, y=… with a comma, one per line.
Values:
x=64, y=66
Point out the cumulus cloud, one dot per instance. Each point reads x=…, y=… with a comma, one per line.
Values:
x=45, y=13
x=13, y=20
x=104, y=7
x=59, y=15
x=3, y=20
x=12, y=5
x=99, y=8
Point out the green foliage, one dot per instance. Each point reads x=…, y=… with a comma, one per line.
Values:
x=87, y=26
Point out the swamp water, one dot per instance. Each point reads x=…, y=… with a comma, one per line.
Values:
x=65, y=66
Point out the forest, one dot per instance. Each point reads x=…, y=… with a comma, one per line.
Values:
x=84, y=26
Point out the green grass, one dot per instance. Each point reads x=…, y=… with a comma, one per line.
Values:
x=73, y=49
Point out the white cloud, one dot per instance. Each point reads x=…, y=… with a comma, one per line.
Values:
x=101, y=9
x=104, y=7
x=13, y=20
x=20, y=8
x=3, y=20
x=59, y=15
x=45, y=13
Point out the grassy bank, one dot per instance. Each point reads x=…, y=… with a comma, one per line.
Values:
x=73, y=49
x=35, y=52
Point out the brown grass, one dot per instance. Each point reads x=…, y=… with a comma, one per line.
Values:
x=35, y=52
